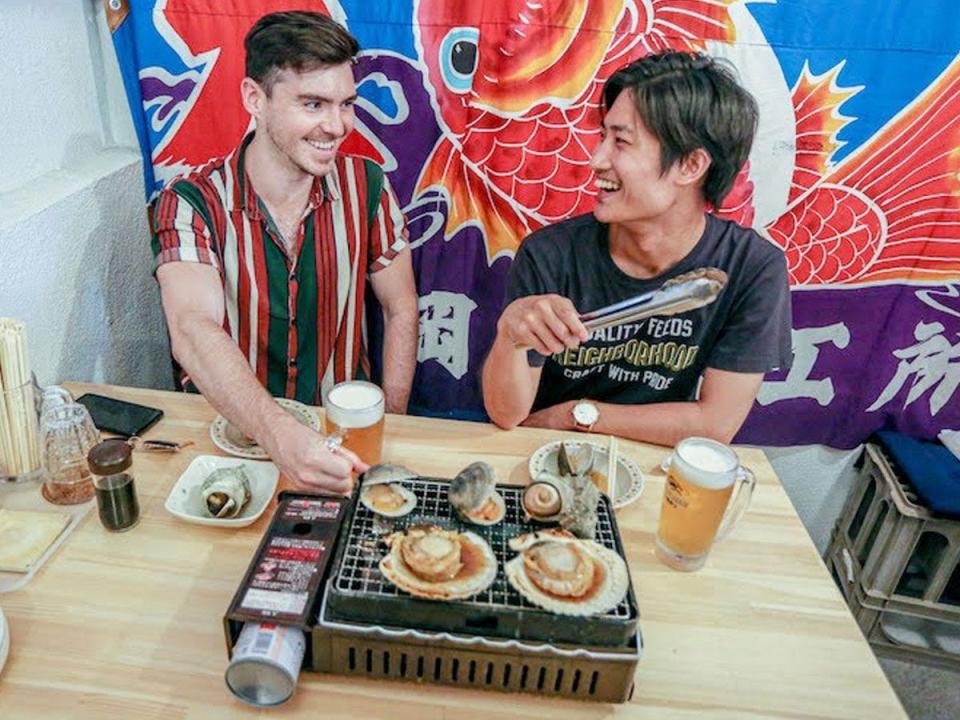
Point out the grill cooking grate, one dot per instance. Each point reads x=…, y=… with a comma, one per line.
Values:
x=359, y=571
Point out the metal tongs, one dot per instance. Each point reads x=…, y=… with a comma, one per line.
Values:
x=685, y=292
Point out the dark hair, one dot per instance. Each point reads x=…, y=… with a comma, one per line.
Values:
x=689, y=101
x=296, y=40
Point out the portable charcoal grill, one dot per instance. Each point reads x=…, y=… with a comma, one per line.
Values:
x=358, y=593
x=494, y=640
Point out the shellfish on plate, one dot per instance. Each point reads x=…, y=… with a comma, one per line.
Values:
x=437, y=564
x=225, y=492
x=563, y=574
x=473, y=494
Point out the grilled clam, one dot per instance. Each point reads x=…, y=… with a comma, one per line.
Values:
x=474, y=496
x=389, y=500
x=567, y=575
x=437, y=564
x=225, y=492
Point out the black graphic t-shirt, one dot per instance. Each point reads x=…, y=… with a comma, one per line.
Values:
x=660, y=359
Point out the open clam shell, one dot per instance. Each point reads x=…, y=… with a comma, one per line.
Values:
x=478, y=565
x=388, y=499
x=474, y=496
x=608, y=586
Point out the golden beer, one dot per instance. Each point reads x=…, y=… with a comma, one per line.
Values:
x=696, y=496
x=355, y=410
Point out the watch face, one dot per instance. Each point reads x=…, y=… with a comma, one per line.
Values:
x=585, y=413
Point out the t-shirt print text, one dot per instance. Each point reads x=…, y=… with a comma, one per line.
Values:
x=651, y=351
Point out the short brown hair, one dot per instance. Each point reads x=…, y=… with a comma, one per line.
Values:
x=688, y=101
x=295, y=40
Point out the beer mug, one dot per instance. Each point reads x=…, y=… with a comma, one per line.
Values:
x=354, y=410
x=697, y=507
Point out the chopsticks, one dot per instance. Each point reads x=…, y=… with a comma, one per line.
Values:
x=612, y=468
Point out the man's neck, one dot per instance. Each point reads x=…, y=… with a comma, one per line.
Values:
x=278, y=183
x=648, y=249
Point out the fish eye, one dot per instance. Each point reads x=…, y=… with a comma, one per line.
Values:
x=458, y=58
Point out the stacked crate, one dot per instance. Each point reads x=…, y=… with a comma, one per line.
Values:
x=898, y=566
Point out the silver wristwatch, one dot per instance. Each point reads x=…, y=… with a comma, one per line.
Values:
x=585, y=415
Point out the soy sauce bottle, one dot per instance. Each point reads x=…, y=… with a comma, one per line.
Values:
x=110, y=463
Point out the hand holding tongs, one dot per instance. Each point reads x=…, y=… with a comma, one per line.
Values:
x=685, y=292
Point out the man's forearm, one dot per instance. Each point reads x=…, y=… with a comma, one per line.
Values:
x=399, y=357
x=218, y=369
x=659, y=423
x=509, y=383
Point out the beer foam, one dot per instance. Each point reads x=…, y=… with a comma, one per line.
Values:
x=707, y=458
x=707, y=463
x=355, y=404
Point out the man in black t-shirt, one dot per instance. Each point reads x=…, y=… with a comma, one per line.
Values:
x=677, y=129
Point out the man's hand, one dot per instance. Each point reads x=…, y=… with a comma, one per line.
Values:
x=555, y=417
x=545, y=323
x=304, y=458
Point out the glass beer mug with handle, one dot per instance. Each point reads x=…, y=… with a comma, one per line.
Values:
x=354, y=411
x=698, y=509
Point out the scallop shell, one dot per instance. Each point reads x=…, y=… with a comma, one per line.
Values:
x=409, y=499
x=613, y=588
x=463, y=585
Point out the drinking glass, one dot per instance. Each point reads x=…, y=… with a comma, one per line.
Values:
x=68, y=434
x=697, y=509
x=354, y=410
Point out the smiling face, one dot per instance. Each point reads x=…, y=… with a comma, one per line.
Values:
x=632, y=185
x=305, y=117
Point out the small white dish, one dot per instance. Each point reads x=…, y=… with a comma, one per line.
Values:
x=630, y=480
x=229, y=439
x=186, y=503
x=4, y=640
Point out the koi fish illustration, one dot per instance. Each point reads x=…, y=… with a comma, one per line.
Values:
x=519, y=127
x=890, y=211
x=516, y=85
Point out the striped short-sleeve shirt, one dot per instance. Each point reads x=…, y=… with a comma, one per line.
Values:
x=295, y=312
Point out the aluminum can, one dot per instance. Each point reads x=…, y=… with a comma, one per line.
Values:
x=266, y=663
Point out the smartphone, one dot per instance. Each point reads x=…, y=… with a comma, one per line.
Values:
x=119, y=416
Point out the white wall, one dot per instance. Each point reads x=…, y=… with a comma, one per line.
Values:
x=74, y=244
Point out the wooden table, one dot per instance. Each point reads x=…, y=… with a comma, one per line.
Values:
x=129, y=625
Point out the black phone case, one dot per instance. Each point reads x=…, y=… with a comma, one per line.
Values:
x=139, y=418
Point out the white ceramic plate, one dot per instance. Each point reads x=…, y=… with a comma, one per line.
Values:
x=229, y=439
x=185, y=502
x=4, y=640
x=630, y=480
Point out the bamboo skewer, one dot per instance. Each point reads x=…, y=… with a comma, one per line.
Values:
x=19, y=445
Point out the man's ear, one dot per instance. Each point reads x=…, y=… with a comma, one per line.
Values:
x=253, y=96
x=691, y=168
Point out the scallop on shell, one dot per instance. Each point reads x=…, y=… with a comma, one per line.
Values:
x=437, y=564
x=567, y=575
x=388, y=499
x=474, y=496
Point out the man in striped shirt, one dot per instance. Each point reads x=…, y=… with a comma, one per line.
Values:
x=263, y=256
